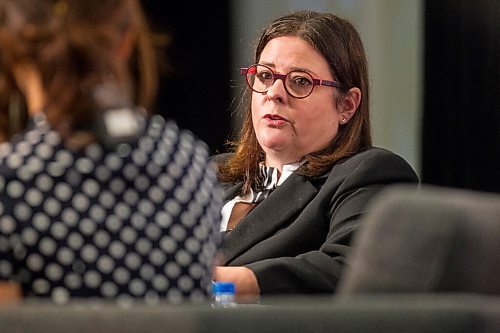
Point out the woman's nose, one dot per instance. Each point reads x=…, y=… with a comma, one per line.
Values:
x=277, y=91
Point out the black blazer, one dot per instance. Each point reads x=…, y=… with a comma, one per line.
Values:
x=296, y=240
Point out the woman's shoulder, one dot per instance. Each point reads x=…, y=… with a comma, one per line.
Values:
x=220, y=158
x=377, y=161
x=182, y=149
x=375, y=154
x=168, y=132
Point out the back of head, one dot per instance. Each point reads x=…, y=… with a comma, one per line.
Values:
x=430, y=240
x=98, y=42
x=76, y=46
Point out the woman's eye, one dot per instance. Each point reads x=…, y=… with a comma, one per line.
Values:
x=265, y=75
x=301, y=81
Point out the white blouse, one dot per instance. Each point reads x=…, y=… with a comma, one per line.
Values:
x=271, y=181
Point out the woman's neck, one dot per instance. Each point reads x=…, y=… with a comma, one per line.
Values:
x=30, y=83
x=278, y=163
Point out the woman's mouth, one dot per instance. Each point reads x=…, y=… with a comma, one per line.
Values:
x=274, y=120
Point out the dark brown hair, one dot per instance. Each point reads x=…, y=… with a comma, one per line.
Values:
x=19, y=42
x=339, y=43
x=71, y=42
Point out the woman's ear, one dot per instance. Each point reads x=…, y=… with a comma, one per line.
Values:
x=350, y=104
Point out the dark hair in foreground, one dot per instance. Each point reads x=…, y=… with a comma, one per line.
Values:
x=339, y=43
x=72, y=43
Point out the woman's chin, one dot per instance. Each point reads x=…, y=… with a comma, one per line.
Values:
x=274, y=144
x=281, y=151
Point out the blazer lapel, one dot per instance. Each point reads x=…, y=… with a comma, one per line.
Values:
x=281, y=205
x=231, y=191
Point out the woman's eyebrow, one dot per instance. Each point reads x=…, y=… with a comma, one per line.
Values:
x=273, y=66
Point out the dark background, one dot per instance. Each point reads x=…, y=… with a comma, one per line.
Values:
x=461, y=117
x=461, y=124
x=194, y=81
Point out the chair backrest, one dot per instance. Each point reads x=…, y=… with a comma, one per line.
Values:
x=427, y=240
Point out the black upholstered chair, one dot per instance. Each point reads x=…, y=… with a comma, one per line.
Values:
x=427, y=240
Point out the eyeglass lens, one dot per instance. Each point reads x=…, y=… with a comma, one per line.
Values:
x=297, y=83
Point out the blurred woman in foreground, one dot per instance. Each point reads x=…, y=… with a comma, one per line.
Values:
x=97, y=199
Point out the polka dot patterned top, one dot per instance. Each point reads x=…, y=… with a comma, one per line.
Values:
x=139, y=221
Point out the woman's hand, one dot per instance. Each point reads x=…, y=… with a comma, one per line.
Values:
x=243, y=278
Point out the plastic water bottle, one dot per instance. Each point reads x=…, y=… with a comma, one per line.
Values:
x=223, y=295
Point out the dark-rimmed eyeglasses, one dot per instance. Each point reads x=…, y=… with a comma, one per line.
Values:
x=298, y=84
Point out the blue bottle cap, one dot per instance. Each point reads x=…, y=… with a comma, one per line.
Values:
x=223, y=287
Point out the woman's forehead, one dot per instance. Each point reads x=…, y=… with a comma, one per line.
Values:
x=289, y=53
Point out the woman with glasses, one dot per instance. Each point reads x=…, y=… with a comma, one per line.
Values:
x=304, y=169
x=97, y=198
